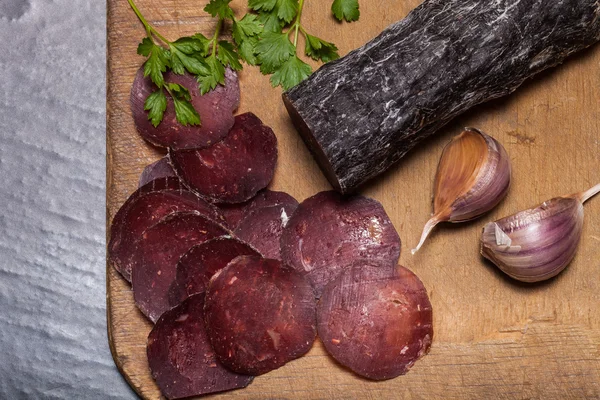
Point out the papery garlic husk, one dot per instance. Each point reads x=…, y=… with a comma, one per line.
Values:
x=473, y=176
x=537, y=244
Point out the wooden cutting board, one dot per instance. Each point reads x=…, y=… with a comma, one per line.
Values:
x=494, y=338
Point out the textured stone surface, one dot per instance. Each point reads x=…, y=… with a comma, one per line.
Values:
x=362, y=113
x=53, y=340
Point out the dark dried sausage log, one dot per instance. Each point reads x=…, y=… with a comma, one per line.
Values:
x=260, y=314
x=181, y=358
x=376, y=321
x=329, y=232
x=364, y=112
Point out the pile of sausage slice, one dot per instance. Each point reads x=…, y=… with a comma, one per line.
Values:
x=238, y=279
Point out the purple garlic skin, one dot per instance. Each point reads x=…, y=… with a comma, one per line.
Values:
x=490, y=186
x=537, y=244
x=473, y=176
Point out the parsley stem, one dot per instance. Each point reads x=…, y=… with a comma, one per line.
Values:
x=149, y=28
x=215, y=37
x=297, y=22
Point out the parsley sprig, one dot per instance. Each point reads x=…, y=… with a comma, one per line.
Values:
x=221, y=53
x=277, y=49
x=345, y=10
x=205, y=58
x=267, y=38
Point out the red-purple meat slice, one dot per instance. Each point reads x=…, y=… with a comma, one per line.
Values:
x=260, y=315
x=328, y=232
x=215, y=108
x=156, y=255
x=376, y=320
x=262, y=228
x=235, y=169
x=201, y=262
x=145, y=207
x=235, y=213
x=156, y=170
x=181, y=358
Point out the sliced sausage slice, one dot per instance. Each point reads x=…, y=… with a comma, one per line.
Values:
x=376, y=320
x=235, y=169
x=215, y=109
x=235, y=213
x=262, y=228
x=157, y=252
x=158, y=169
x=260, y=315
x=181, y=358
x=201, y=262
x=328, y=232
x=145, y=207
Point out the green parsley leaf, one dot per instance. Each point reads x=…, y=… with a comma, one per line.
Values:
x=176, y=64
x=189, y=45
x=247, y=50
x=271, y=23
x=193, y=63
x=204, y=42
x=214, y=76
x=156, y=104
x=185, y=112
x=273, y=50
x=179, y=91
x=145, y=48
x=220, y=8
x=291, y=73
x=345, y=9
x=287, y=10
x=156, y=64
x=318, y=49
x=262, y=5
x=245, y=28
x=228, y=56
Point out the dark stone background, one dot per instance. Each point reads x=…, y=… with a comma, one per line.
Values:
x=53, y=341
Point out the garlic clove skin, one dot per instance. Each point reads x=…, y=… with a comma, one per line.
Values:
x=489, y=188
x=535, y=244
x=472, y=178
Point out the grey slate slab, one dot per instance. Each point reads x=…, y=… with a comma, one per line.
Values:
x=53, y=341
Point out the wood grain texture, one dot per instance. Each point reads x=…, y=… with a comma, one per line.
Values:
x=494, y=338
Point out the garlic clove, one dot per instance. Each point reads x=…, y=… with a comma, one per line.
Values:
x=473, y=176
x=537, y=244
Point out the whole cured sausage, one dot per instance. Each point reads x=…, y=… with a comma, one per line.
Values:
x=362, y=113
